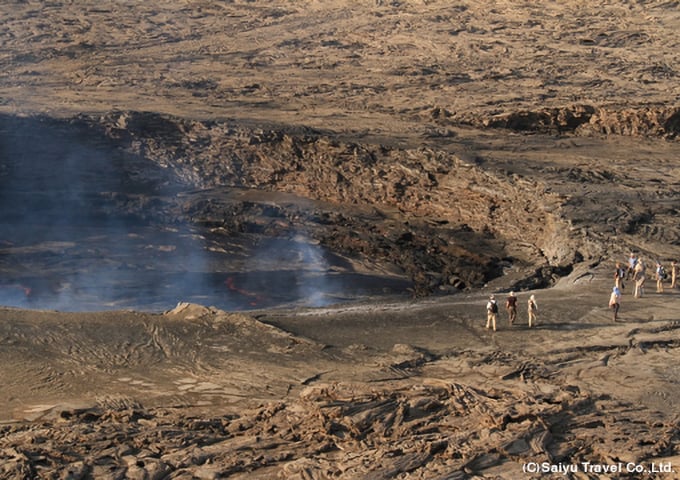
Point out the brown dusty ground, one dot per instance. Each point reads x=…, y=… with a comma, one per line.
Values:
x=434, y=153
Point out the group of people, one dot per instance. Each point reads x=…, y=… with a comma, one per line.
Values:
x=637, y=272
x=511, y=307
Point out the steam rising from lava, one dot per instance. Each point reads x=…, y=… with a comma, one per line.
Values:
x=84, y=226
x=66, y=243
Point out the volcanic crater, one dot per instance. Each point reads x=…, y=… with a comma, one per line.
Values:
x=141, y=210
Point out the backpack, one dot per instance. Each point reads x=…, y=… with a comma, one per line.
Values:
x=494, y=307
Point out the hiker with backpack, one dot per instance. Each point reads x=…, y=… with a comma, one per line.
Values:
x=639, y=277
x=491, y=312
x=660, y=277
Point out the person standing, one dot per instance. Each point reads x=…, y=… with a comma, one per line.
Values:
x=491, y=312
x=674, y=274
x=532, y=309
x=511, y=307
x=660, y=277
x=632, y=263
x=615, y=302
x=639, y=278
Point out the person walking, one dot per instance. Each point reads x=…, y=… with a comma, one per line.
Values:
x=491, y=312
x=619, y=274
x=532, y=309
x=511, y=307
x=615, y=302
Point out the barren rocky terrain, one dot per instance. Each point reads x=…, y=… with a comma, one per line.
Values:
x=255, y=239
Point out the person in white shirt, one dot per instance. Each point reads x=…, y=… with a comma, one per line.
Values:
x=491, y=312
x=532, y=310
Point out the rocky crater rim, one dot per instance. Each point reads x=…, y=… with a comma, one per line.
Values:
x=441, y=220
x=659, y=121
x=422, y=213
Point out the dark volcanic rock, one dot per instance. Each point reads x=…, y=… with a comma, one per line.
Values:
x=427, y=212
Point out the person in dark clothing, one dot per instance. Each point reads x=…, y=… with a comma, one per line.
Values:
x=511, y=307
